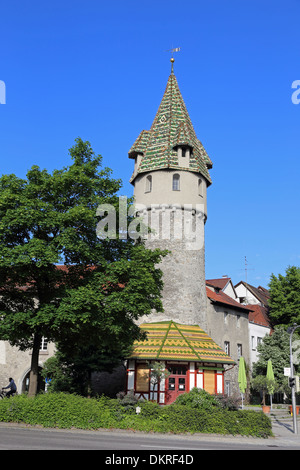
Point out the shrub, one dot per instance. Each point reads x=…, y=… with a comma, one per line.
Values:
x=183, y=419
x=198, y=398
x=73, y=411
x=128, y=401
x=150, y=409
x=228, y=403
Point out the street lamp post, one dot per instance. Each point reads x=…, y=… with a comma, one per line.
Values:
x=291, y=330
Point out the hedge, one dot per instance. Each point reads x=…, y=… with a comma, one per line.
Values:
x=72, y=411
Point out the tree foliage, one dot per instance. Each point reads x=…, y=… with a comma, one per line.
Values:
x=57, y=279
x=285, y=297
x=264, y=385
x=275, y=347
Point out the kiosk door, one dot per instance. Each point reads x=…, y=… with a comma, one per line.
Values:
x=176, y=382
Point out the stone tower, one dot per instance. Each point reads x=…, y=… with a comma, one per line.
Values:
x=170, y=180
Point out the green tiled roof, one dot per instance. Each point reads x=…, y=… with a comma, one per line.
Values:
x=173, y=341
x=171, y=127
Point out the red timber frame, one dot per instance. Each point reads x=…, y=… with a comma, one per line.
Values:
x=147, y=394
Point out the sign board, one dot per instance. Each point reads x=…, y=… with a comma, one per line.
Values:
x=287, y=371
x=297, y=384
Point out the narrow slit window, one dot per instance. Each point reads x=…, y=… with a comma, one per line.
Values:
x=200, y=187
x=148, y=184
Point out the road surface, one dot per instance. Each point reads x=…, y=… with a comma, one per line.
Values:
x=14, y=437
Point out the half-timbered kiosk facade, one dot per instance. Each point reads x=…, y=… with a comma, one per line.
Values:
x=187, y=356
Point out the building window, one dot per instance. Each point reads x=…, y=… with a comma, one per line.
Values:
x=227, y=347
x=148, y=184
x=227, y=388
x=259, y=341
x=225, y=318
x=238, y=320
x=176, y=182
x=253, y=343
x=239, y=351
x=44, y=344
x=142, y=378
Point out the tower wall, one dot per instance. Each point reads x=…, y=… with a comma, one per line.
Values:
x=192, y=189
x=180, y=230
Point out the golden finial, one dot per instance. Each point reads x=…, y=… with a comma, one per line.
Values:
x=172, y=61
x=176, y=49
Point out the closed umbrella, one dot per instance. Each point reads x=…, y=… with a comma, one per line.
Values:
x=242, y=379
x=271, y=379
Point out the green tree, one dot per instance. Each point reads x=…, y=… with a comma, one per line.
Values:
x=262, y=384
x=101, y=286
x=274, y=347
x=285, y=297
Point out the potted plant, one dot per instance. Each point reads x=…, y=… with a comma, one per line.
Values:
x=265, y=386
x=291, y=409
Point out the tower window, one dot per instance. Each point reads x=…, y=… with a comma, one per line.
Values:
x=176, y=183
x=184, y=154
x=200, y=187
x=148, y=184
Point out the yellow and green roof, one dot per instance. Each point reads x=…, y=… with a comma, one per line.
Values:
x=172, y=127
x=173, y=341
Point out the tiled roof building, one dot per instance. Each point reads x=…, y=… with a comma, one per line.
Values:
x=172, y=341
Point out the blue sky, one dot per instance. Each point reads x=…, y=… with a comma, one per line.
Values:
x=98, y=70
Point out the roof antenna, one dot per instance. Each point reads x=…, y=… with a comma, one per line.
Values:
x=246, y=266
x=246, y=276
x=176, y=49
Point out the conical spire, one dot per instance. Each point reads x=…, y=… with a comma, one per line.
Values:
x=171, y=128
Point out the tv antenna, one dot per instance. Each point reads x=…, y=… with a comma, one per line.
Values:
x=246, y=277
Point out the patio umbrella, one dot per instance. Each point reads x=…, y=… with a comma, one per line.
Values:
x=242, y=379
x=270, y=377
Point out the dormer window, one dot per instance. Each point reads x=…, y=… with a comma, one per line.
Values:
x=137, y=161
x=184, y=153
x=176, y=182
x=148, y=188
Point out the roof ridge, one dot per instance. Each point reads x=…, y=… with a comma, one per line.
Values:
x=164, y=339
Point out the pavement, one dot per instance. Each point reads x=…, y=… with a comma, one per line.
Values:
x=283, y=428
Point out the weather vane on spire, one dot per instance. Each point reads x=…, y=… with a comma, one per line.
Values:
x=176, y=49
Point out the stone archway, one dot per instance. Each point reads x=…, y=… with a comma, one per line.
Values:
x=25, y=382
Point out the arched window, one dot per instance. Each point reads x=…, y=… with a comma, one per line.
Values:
x=148, y=184
x=176, y=182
